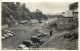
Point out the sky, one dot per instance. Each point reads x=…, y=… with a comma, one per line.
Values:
x=48, y=7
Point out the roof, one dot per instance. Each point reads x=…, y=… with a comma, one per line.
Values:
x=23, y=21
x=34, y=20
x=68, y=13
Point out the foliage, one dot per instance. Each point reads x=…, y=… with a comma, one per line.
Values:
x=14, y=12
x=73, y=6
x=71, y=35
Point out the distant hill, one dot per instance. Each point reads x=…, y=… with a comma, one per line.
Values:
x=49, y=14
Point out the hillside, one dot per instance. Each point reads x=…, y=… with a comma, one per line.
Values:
x=58, y=41
x=13, y=12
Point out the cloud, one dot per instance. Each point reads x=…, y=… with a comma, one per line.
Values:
x=48, y=7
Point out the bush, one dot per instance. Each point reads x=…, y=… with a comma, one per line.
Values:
x=71, y=35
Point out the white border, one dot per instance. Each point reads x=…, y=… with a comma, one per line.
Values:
x=38, y=1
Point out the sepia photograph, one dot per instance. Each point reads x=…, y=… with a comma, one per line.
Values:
x=39, y=25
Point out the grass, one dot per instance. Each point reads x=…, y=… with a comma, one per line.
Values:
x=58, y=42
x=22, y=33
x=55, y=42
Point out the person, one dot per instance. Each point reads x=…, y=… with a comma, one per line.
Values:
x=51, y=32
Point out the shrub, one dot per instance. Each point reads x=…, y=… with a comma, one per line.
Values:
x=71, y=35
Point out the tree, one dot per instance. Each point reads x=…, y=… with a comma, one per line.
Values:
x=18, y=12
x=73, y=6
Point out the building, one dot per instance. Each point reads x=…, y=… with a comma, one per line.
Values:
x=75, y=13
x=33, y=21
x=68, y=21
x=68, y=13
x=23, y=22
